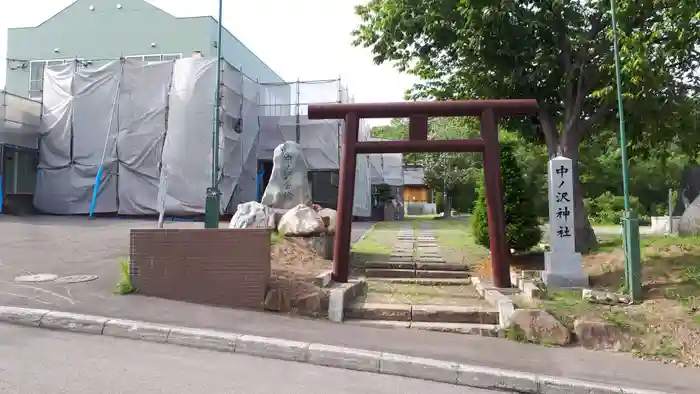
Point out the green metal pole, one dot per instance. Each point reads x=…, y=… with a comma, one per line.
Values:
x=212, y=203
x=630, y=222
x=621, y=112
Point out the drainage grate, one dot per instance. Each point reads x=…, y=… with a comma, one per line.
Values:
x=76, y=278
x=36, y=278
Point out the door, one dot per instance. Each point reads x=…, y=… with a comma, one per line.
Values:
x=19, y=168
x=8, y=171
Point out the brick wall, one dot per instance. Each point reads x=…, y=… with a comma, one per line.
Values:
x=221, y=267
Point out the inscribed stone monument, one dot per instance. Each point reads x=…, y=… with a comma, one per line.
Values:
x=562, y=264
x=289, y=181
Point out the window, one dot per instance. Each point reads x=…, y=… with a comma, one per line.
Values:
x=156, y=58
x=36, y=79
x=152, y=58
x=36, y=75
x=172, y=57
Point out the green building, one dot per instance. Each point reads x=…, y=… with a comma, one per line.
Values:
x=98, y=31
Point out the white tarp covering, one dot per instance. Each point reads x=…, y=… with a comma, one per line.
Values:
x=143, y=103
x=244, y=162
x=146, y=129
x=79, y=129
x=362, y=201
x=111, y=120
x=386, y=168
x=375, y=168
x=392, y=169
x=319, y=139
x=187, y=153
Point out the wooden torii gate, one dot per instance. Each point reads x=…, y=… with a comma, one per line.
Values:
x=489, y=111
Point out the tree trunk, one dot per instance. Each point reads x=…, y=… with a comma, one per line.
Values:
x=585, y=236
x=447, y=203
x=567, y=145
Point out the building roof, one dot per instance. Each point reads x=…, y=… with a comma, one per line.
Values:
x=413, y=176
x=76, y=2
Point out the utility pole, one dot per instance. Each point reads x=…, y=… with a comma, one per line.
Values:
x=213, y=198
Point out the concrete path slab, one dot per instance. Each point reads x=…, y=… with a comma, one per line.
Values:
x=422, y=313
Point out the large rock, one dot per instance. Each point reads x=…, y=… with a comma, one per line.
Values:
x=540, y=327
x=690, y=221
x=330, y=215
x=600, y=335
x=252, y=215
x=289, y=182
x=291, y=295
x=689, y=189
x=301, y=221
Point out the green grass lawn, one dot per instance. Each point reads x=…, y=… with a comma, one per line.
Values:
x=456, y=241
x=453, y=236
x=377, y=242
x=667, y=324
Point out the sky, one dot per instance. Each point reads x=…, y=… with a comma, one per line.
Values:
x=305, y=39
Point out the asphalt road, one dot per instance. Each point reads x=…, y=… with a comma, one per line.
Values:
x=51, y=362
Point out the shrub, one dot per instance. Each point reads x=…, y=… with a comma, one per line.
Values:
x=124, y=285
x=522, y=224
x=608, y=208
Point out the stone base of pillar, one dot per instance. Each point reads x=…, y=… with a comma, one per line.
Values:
x=564, y=270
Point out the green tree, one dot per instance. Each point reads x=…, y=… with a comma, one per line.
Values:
x=556, y=51
x=522, y=225
x=457, y=172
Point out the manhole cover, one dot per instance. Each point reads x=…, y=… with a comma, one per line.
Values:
x=76, y=278
x=36, y=278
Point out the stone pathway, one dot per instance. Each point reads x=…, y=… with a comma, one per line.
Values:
x=417, y=288
x=416, y=259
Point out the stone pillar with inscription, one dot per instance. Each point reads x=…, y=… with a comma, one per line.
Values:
x=562, y=264
x=289, y=180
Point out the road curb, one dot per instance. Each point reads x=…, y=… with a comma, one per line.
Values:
x=312, y=353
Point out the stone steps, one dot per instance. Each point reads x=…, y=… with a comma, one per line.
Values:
x=428, y=281
x=484, y=330
x=422, y=313
x=420, y=265
x=412, y=273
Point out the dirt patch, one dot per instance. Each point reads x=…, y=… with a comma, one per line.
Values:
x=519, y=262
x=291, y=287
x=295, y=257
x=482, y=269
